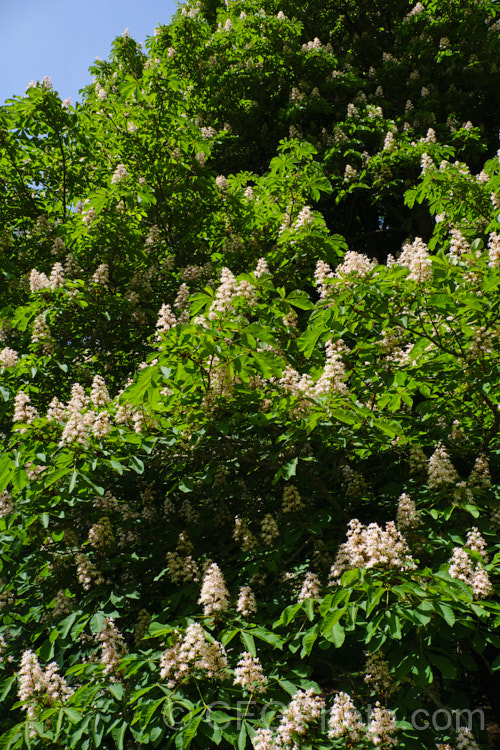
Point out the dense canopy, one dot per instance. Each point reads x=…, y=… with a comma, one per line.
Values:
x=249, y=385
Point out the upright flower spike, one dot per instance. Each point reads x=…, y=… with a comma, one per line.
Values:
x=249, y=674
x=382, y=727
x=441, y=470
x=191, y=655
x=345, y=720
x=214, y=595
x=247, y=604
x=113, y=649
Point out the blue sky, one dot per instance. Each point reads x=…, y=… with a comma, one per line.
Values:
x=61, y=38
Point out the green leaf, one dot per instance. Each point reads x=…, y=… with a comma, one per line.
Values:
x=117, y=466
x=300, y=300
x=66, y=625
x=249, y=642
x=189, y=734
x=394, y=624
x=228, y=636
x=117, y=690
x=118, y=734
x=289, y=469
x=307, y=342
x=308, y=640
x=72, y=481
x=267, y=364
x=137, y=465
x=288, y=614
x=242, y=737
x=97, y=622
x=335, y=634
x=7, y=468
x=7, y=686
x=472, y=509
x=73, y=715
x=373, y=598
x=268, y=637
x=448, y=669
x=145, y=712
x=446, y=612
x=332, y=617
x=98, y=728
x=344, y=416
x=288, y=686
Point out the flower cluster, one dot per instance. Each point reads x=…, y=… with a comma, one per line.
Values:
x=214, y=594
x=304, y=218
x=249, y=674
x=41, y=333
x=476, y=543
x=378, y=675
x=494, y=250
x=407, y=514
x=227, y=290
x=63, y=605
x=142, y=625
x=458, y=244
x=389, y=141
x=39, y=688
x=345, y=720
x=182, y=298
x=99, y=393
x=101, y=275
x=243, y=535
x=182, y=566
x=119, y=174
x=221, y=183
x=8, y=357
x=23, y=411
x=371, y=546
x=195, y=653
x=464, y=568
x=166, y=320
x=38, y=281
x=246, y=604
x=350, y=173
x=311, y=587
x=113, y=648
x=304, y=708
x=57, y=277
x=440, y=469
x=418, y=8
x=415, y=256
x=354, y=263
x=87, y=574
x=322, y=274
x=332, y=380
x=101, y=533
x=292, y=500
x=269, y=530
x=465, y=739
x=382, y=727
x=80, y=420
x=480, y=474
x=6, y=504
x=426, y=162
x=418, y=462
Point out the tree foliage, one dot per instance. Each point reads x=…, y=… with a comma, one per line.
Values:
x=249, y=385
